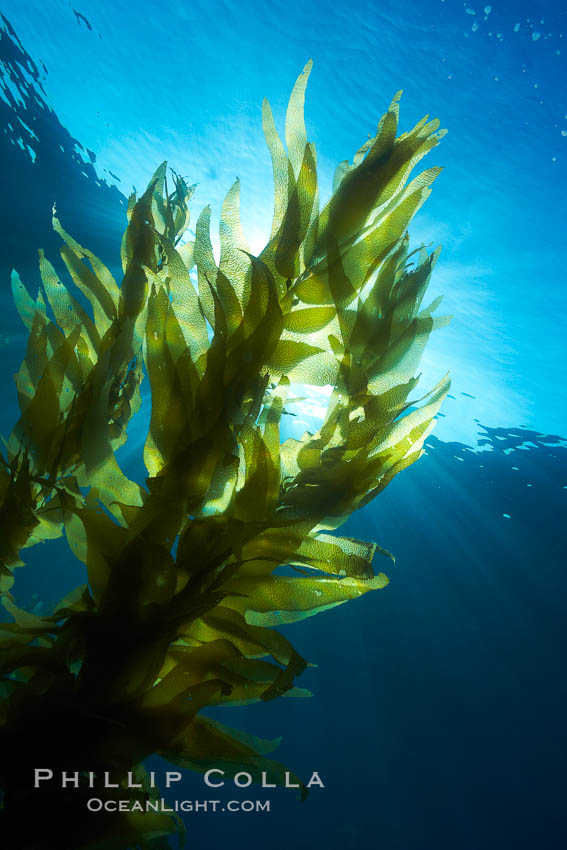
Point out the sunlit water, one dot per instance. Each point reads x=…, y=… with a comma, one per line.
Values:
x=437, y=719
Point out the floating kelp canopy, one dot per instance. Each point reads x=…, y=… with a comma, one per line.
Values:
x=183, y=586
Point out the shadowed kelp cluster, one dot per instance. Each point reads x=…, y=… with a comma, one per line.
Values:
x=183, y=585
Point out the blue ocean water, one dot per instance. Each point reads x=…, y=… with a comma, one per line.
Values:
x=438, y=715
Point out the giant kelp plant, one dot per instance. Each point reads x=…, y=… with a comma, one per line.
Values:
x=183, y=588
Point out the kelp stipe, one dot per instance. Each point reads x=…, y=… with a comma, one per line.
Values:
x=126, y=663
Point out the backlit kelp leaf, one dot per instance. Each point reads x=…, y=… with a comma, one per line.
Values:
x=161, y=213
x=258, y=484
x=209, y=744
x=233, y=534
x=169, y=418
x=402, y=433
x=246, y=679
x=295, y=544
x=274, y=600
x=37, y=348
x=251, y=641
x=24, y=620
x=173, y=276
x=254, y=498
x=67, y=311
x=295, y=133
x=24, y=303
x=279, y=167
x=41, y=427
x=254, y=341
x=289, y=258
x=49, y=516
x=302, y=363
x=307, y=321
x=207, y=268
x=96, y=541
x=234, y=264
x=295, y=220
x=302, y=158
x=378, y=412
x=358, y=193
x=99, y=286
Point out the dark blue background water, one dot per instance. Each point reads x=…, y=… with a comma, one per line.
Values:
x=437, y=719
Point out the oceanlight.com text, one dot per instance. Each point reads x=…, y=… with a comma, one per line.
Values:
x=95, y=804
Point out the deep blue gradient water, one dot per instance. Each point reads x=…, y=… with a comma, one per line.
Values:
x=438, y=712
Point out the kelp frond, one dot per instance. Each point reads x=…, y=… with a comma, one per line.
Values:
x=183, y=588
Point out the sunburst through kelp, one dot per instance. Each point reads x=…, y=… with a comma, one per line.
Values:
x=183, y=588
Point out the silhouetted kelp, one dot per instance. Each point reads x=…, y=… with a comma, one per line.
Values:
x=183, y=587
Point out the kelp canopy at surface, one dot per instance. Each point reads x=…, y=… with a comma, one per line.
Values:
x=183, y=583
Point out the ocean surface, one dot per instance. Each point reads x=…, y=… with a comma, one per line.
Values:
x=438, y=715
